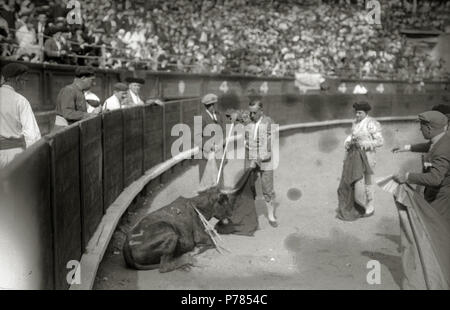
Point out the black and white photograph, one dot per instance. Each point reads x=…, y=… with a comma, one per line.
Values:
x=224, y=149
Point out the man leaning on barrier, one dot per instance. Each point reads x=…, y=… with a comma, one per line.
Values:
x=71, y=102
x=18, y=126
x=435, y=175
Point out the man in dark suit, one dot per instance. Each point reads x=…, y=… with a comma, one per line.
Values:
x=435, y=177
x=54, y=49
x=436, y=170
x=208, y=150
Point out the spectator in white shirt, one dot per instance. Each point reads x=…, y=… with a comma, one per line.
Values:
x=118, y=99
x=18, y=126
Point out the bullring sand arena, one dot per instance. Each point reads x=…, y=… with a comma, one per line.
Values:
x=311, y=248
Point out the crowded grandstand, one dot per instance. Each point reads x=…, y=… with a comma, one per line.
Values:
x=264, y=38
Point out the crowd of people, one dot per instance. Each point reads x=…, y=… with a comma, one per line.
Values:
x=270, y=38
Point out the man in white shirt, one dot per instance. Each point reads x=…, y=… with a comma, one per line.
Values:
x=117, y=100
x=18, y=126
x=134, y=90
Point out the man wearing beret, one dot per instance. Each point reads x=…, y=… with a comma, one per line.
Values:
x=116, y=100
x=435, y=177
x=209, y=115
x=18, y=126
x=366, y=134
x=436, y=167
x=71, y=102
x=134, y=91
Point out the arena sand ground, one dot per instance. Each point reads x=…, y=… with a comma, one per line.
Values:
x=310, y=249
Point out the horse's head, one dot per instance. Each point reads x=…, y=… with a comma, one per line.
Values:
x=212, y=203
x=222, y=207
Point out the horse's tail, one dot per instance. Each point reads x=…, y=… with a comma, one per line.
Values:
x=129, y=260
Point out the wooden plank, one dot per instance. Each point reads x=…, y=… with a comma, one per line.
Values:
x=112, y=157
x=133, y=139
x=91, y=161
x=153, y=136
x=66, y=203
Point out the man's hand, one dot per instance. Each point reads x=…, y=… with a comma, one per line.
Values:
x=399, y=149
x=253, y=164
x=400, y=178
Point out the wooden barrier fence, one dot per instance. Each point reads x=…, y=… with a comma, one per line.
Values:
x=57, y=191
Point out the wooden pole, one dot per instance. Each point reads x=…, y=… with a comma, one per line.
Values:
x=224, y=153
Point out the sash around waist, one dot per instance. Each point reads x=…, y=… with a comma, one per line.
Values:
x=11, y=143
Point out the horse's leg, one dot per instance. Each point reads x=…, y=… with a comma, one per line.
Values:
x=168, y=261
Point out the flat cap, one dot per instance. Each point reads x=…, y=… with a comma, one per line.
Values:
x=135, y=80
x=443, y=108
x=84, y=72
x=209, y=99
x=120, y=87
x=13, y=69
x=362, y=106
x=435, y=119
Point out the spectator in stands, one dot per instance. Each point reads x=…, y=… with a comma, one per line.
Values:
x=254, y=38
x=26, y=37
x=18, y=126
x=118, y=99
x=54, y=47
x=26, y=8
x=134, y=90
x=80, y=45
x=7, y=13
x=58, y=9
x=71, y=103
x=4, y=27
x=40, y=26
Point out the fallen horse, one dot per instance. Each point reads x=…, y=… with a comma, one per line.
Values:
x=164, y=238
